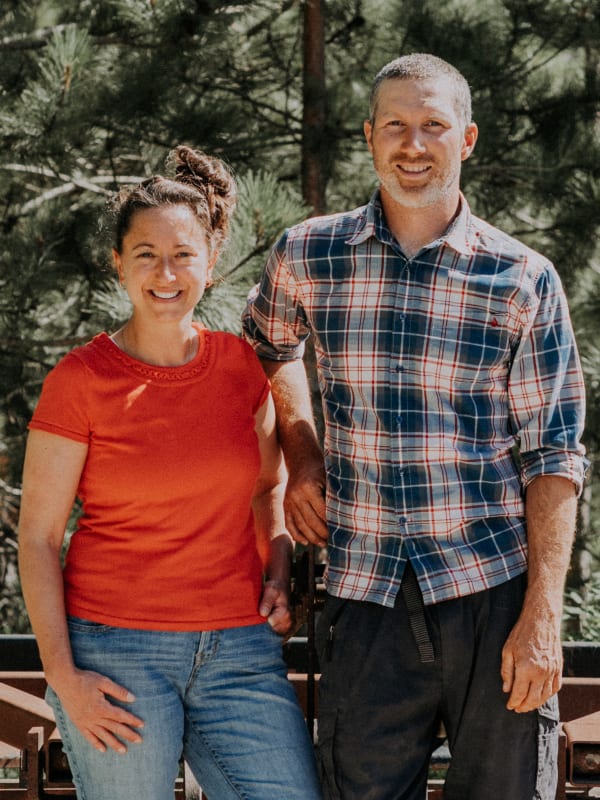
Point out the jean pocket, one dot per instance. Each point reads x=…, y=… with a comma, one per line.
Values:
x=547, y=768
x=79, y=625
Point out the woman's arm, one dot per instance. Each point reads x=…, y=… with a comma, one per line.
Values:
x=274, y=542
x=53, y=466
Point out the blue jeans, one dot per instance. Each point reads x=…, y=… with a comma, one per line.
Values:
x=220, y=699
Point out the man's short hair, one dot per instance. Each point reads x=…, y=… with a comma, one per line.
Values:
x=422, y=66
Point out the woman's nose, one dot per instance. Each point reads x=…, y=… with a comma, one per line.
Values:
x=164, y=267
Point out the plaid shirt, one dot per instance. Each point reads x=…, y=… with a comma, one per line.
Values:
x=449, y=382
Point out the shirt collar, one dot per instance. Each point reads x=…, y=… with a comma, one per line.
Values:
x=371, y=222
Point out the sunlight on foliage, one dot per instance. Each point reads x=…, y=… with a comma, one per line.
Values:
x=585, y=610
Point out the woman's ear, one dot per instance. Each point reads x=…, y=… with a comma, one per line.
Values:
x=211, y=265
x=118, y=265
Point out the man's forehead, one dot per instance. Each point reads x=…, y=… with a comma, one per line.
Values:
x=426, y=87
x=436, y=93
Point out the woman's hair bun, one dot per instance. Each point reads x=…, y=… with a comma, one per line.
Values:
x=204, y=183
x=195, y=167
x=211, y=177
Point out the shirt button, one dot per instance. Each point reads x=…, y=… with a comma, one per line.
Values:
x=399, y=418
x=399, y=368
x=402, y=520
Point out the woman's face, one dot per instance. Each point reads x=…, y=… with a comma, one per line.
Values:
x=165, y=262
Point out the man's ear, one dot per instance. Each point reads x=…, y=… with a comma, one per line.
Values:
x=368, y=129
x=471, y=133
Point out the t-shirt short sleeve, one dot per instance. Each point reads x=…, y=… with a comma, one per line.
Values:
x=62, y=407
x=259, y=384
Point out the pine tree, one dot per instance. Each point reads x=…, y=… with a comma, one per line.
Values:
x=94, y=96
x=94, y=93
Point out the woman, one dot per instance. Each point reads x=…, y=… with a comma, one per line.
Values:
x=153, y=637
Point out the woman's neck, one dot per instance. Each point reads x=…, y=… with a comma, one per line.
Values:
x=162, y=346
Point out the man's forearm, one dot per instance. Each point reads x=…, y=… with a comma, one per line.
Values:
x=532, y=656
x=551, y=512
x=304, y=504
x=295, y=419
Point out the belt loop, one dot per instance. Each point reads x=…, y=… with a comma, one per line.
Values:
x=416, y=614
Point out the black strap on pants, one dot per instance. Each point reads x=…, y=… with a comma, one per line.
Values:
x=416, y=614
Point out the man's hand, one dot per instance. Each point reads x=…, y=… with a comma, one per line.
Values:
x=304, y=505
x=532, y=656
x=275, y=606
x=85, y=699
x=532, y=661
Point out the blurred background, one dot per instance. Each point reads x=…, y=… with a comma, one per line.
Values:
x=94, y=93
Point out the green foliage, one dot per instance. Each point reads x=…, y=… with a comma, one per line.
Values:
x=584, y=609
x=96, y=101
x=13, y=617
x=94, y=93
x=585, y=304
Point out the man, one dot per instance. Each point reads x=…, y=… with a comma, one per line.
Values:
x=453, y=405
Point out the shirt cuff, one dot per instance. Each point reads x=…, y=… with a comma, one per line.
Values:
x=571, y=466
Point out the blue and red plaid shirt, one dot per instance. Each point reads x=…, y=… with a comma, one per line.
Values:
x=449, y=382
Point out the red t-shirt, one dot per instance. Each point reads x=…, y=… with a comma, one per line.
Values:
x=166, y=540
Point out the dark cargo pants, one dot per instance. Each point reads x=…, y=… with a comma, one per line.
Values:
x=380, y=708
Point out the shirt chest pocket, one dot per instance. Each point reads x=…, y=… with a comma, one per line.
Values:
x=467, y=345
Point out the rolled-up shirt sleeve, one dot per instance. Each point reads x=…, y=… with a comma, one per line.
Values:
x=546, y=388
x=274, y=322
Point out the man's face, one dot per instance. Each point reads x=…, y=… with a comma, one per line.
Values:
x=418, y=141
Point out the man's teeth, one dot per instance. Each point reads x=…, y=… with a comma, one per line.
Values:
x=165, y=295
x=414, y=169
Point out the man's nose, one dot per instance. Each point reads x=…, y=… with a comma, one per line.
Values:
x=412, y=141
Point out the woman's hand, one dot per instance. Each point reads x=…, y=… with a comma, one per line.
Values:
x=275, y=606
x=84, y=697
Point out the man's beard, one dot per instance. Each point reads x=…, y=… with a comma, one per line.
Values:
x=437, y=188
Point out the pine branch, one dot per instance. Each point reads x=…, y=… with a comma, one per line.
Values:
x=40, y=38
x=257, y=251
x=17, y=346
x=31, y=41
x=70, y=184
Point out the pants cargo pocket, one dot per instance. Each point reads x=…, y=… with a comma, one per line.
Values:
x=327, y=770
x=547, y=769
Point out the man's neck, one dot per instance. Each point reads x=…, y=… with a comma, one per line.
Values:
x=414, y=228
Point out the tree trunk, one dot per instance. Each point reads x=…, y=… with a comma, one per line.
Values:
x=314, y=155
x=314, y=151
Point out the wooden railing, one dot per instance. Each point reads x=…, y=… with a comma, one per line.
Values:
x=31, y=750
